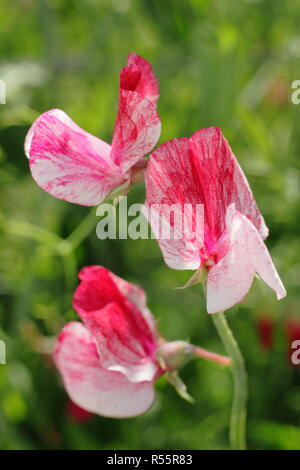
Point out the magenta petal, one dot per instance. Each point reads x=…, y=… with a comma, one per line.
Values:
x=138, y=76
x=68, y=162
x=222, y=181
x=244, y=254
x=137, y=296
x=92, y=387
x=171, y=180
x=125, y=340
x=137, y=129
x=198, y=171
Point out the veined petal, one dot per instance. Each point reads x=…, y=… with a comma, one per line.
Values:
x=136, y=295
x=172, y=204
x=200, y=171
x=68, y=162
x=137, y=129
x=179, y=252
x=221, y=182
x=92, y=387
x=138, y=76
x=125, y=340
x=243, y=255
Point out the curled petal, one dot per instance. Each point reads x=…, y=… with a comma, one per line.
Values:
x=137, y=296
x=68, y=162
x=125, y=339
x=138, y=76
x=137, y=129
x=244, y=254
x=92, y=387
x=133, y=293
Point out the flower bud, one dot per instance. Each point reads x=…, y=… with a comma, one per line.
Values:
x=174, y=355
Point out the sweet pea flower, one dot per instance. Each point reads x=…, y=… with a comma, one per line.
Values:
x=73, y=165
x=110, y=362
x=228, y=248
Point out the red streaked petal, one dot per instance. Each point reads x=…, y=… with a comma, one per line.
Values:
x=171, y=184
x=138, y=76
x=68, y=162
x=198, y=171
x=137, y=129
x=137, y=296
x=92, y=387
x=221, y=182
x=125, y=340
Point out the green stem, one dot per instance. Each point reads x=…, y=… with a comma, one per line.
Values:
x=240, y=389
x=83, y=230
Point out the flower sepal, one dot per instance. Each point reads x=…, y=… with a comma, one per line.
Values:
x=180, y=387
x=199, y=276
x=174, y=355
x=121, y=190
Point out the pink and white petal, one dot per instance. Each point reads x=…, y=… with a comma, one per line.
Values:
x=243, y=254
x=230, y=279
x=172, y=188
x=123, y=335
x=137, y=129
x=178, y=251
x=68, y=162
x=119, y=348
x=262, y=260
x=222, y=181
x=92, y=387
x=138, y=76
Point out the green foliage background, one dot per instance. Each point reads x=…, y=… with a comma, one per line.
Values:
x=224, y=63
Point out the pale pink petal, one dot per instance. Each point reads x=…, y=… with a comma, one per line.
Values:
x=221, y=182
x=92, y=387
x=178, y=250
x=171, y=185
x=69, y=163
x=243, y=254
x=125, y=339
x=137, y=129
x=138, y=76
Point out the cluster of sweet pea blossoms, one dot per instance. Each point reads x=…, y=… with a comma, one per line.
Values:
x=110, y=362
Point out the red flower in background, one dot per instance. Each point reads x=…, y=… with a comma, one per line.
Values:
x=292, y=329
x=265, y=329
x=78, y=414
x=292, y=326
